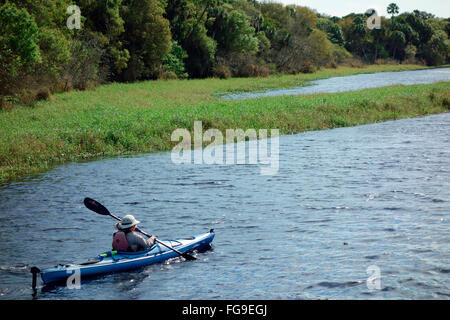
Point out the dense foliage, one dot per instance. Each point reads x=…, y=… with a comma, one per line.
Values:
x=130, y=40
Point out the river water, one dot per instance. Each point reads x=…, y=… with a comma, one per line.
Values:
x=345, y=205
x=355, y=82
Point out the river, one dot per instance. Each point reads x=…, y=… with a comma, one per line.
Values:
x=345, y=204
x=355, y=82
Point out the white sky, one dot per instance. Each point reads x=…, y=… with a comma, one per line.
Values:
x=440, y=8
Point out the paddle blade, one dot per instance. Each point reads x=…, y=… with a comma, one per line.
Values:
x=188, y=257
x=95, y=206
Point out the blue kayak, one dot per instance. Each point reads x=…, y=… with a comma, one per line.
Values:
x=113, y=261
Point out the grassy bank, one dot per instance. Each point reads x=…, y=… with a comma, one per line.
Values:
x=140, y=117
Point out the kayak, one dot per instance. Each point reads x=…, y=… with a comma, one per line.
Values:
x=117, y=261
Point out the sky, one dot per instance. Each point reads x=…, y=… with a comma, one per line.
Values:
x=440, y=8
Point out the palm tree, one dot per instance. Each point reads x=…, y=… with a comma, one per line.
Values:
x=393, y=9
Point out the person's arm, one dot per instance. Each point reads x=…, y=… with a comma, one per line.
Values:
x=151, y=240
x=137, y=242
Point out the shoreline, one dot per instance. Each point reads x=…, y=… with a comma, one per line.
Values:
x=84, y=126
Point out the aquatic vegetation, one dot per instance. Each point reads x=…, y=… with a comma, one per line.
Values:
x=132, y=118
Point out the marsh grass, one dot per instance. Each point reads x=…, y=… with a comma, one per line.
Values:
x=122, y=118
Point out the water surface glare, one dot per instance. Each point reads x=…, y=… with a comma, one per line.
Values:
x=342, y=201
x=355, y=82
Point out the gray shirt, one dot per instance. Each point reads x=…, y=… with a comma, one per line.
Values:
x=137, y=242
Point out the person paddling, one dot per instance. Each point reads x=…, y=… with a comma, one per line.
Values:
x=126, y=238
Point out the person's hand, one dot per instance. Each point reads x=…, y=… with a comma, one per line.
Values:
x=152, y=238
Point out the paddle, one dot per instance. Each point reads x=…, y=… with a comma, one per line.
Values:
x=97, y=207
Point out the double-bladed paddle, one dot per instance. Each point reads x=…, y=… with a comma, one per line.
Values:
x=97, y=207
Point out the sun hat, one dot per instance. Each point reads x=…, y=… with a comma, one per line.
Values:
x=127, y=222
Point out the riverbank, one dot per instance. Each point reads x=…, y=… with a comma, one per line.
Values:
x=129, y=118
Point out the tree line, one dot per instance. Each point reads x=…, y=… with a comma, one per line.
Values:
x=132, y=40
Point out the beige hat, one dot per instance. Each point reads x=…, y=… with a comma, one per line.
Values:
x=127, y=222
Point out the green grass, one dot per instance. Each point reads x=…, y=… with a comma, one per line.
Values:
x=129, y=118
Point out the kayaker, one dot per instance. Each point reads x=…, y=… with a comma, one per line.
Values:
x=126, y=238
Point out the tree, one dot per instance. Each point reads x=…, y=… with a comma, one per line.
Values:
x=47, y=13
x=436, y=51
x=305, y=54
x=232, y=31
x=52, y=41
x=397, y=43
x=104, y=20
x=146, y=37
x=201, y=50
x=19, y=49
x=263, y=45
x=423, y=14
x=83, y=68
x=393, y=9
x=303, y=21
x=410, y=51
x=173, y=61
x=187, y=24
x=357, y=37
x=321, y=47
x=332, y=29
x=379, y=40
x=421, y=27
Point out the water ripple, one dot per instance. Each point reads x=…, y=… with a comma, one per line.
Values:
x=344, y=202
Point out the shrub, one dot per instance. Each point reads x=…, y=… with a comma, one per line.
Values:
x=340, y=54
x=332, y=65
x=446, y=102
x=167, y=75
x=262, y=71
x=386, y=61
x=26, y=97
x=221, y=71
x=43, y=94
x=247, y=70
x=355, y=63
x=4, y=104
x=252, y=70
x=308, y=67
